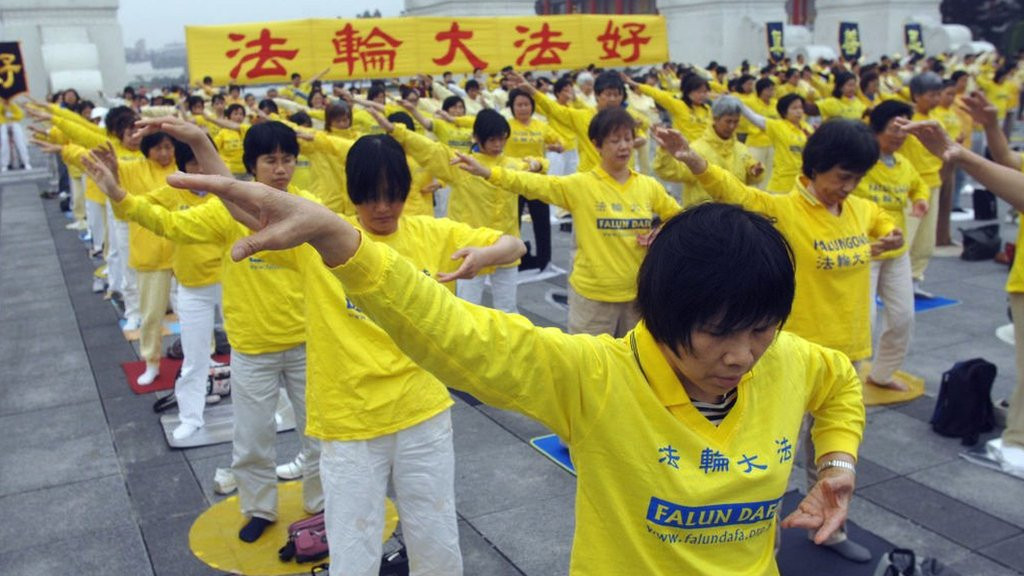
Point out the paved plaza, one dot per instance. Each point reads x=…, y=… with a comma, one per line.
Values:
x=88, y=484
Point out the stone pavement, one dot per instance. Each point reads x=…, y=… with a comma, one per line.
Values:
x=89, y=486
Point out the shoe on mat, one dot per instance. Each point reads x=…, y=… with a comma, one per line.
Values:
x=150, y=375
x=224, y=481
x=184, y=431
x=132, y=324
x=98, y=285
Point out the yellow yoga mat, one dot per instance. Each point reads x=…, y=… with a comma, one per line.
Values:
x=876, y=395
x=214, y=536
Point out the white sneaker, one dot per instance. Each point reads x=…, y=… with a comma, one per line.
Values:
x=98, y=285
x=77, y=225
x=1010, y=458
x=293, y=469
x=184, y=431
x=921, y=292
x=27, y=166
x=150, y=375
x=224, y=481
x=131, y=324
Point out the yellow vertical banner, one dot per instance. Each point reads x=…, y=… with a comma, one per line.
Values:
x=269, y=52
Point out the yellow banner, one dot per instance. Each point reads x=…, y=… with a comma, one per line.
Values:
x=269, y=52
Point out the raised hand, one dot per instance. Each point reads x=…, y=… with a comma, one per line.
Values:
x=471, y=265
x=980, y=109
x=176, y=127
x=101, y=174
x=471, y=165
x=826, y=505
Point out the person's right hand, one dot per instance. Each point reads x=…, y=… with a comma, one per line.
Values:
x=100, y=173
x=471, y=165
x=179, y=129
x=980, y=109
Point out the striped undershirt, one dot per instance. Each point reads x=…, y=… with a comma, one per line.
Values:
x=715, y=412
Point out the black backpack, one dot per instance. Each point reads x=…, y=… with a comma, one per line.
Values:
x=964, y=408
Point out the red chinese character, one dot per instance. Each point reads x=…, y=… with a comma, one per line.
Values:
x=376, y=51
x=455, y=38
x=266, y=56
x=612, y=40
x=545, y=47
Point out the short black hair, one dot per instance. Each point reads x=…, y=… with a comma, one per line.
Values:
x=296, y=75
x=867, y=78
x=848, y=144
x=608, y=121
x=334, y=111
x=561, y=83
x=268, y=106
x=207, y=79
x=886, y=111
x=691, y=83
x=268, y=138
x=841, y=78
x=490, y=124
x=451, y=101
x=785, y=102
x=150, y=141
x=194, y=101
x=609, y=81
x=233, y=87
x=375, y=90
x=402, y=118
x=376, y=169
x=472, y=84
x=302, y=119
x=118, y=120
x=231, y=109
x=183, y=153
x=405, y=91
x=516, y=93
x=763, y=84
x=715, y=267
x=956, y=76
x=218, y=97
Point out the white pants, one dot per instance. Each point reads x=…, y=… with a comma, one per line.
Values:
x=420, y=461
x=19, y=143
x=115, y=258
x=128, y=287
x=254, y=382
x=197, y=309
x=503, y=289
x=96, y=218
x=892, y=280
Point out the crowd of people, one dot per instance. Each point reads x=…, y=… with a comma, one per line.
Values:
x=721, y=219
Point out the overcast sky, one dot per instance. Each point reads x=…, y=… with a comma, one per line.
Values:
x=163, y=23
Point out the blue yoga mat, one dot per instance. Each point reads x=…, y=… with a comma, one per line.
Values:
x=551, y=447
x=925, y=304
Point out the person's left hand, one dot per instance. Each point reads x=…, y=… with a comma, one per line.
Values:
x=756, y=170
x=826, y=505
x=890, y=241
x=920, y=209
x=471, y=265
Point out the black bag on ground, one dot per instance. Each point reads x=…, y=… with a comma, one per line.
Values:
x=984, y=204
x=981, y=243
x=964, y=407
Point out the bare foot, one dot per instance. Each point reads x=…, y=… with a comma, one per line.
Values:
x=894, y=385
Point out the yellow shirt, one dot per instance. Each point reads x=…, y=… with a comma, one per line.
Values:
x=148, y=251
x=832, y=253
x=607, y=218
x=578, y=119
x=473, y=200
x=893, y=188
x=690, y=120
x=229, y=146
x=360, y=385
x=1015, y=283
x=927, y=164
x=530, y=140
x=10, y=112
x=788, y=140
x=72, y=155
x=264, y=310
x=194, y=265
x=327, y=156
x=729, y=154
x=659, y=485
x=758, y=138
x=950, y=121
x=419, y=202
x=850, y=108
x=454, y=136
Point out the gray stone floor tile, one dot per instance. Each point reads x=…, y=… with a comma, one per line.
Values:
x=522, y=426
x=536, y=535
x=993, y=492
x=920, y=408
x=54, y=446
x=203, y=470
x=976, y=564
x=870, y=473
x=487, y=482
x=59, y=385
x=1009, y=552
x=480, y=556
x=169, y=550
x=64, y=513
x=477, y=432
x=138, y=438
x=904, y=444
x=904, y=533
x=963, y=524
x=164, y=492
x=99, y=550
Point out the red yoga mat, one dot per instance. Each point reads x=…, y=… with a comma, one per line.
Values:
x=165, y=381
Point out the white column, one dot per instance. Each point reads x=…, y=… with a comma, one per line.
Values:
x=728, y=31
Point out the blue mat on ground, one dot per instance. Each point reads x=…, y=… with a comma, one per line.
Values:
x=925, y=304
x=552, y=447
